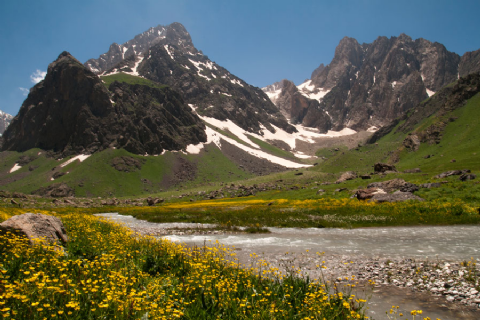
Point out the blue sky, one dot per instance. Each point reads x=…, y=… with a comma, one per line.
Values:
x=259, y=41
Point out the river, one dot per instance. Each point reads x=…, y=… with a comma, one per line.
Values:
x=346, y=250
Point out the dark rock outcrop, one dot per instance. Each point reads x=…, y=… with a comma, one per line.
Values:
x=383, y=167
x=72, y=112
x=57, y=190
x=467, y=176
x=469, y=63
x=412, y=142
x=35, y=226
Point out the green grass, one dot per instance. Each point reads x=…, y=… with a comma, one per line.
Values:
x=326, y=212
x=460, y=141
x=127, y=78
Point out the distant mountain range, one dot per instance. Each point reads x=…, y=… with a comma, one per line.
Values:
x=5, y=120
x=158, y=92
x=156, y=114
x=367, y=86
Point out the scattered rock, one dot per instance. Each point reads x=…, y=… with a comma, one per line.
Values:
x=13, y=202
x=24, y=160
x=68, y=201
x=415, y=170
x=451, y=173
x=5, y=194
x=340, y=189
x=19, y=195
x=320, y=191
x=431, y=185
x=34, y=226
x=383, y=167
x=298, y=173
x=467, y=176
x=397, y=196
x=364, y=194
x=109, y=202
x=349, y=175
x=365, y=176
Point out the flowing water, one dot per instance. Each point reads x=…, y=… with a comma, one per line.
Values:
x=451, y=243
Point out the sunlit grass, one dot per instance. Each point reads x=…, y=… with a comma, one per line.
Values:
x=315, y=213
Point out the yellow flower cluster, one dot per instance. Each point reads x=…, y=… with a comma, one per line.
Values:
x=107, y=272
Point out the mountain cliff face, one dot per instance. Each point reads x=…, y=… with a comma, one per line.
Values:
x=72, y=112
x=369, y=85
x=469, y=63
x=208, y=87
x=441, y=104
x=5, y=120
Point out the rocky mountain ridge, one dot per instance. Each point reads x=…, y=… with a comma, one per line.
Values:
x=367, y=86
x=72, y=112
x=5, y=120
x=211, y=89
x=137, y=45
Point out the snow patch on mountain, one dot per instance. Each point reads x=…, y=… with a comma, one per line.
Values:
x=168, y=51
x=273, y=95
x=430, y=92
x=80, y=157
x=309, y=90
x=15, y=168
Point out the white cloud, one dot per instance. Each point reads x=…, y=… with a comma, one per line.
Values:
x=25, y=91
x=38, y=76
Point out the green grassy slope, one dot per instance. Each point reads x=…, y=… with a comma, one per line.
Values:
x=127, y=78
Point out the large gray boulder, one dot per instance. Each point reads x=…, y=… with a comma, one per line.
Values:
x=393, y=185
x=35, y=226
x=397, y=196
x=364, y=194
x=349, y=175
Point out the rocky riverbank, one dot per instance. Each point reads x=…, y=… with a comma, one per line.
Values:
x=455, y=283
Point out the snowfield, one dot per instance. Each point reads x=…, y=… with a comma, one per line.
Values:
x=303, y=134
